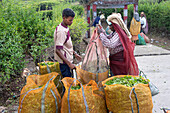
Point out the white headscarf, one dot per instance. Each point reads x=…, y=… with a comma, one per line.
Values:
x=117, y=19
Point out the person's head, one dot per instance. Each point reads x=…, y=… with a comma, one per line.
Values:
x=142, y=14
x=68, y=16
x=110, y=26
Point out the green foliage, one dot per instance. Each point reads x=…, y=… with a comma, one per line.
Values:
x=45, y=5
x=75, y=87
x=48, y=63
x=157, y=15
x=130, y=13
x=108, y=12
x=84, y=2
x=11, y=53
x=78, y=27
x=128, y=81
x=150, y=1
x=28, y=31
x=47, y=14
x=22, y=31
x=79, y=9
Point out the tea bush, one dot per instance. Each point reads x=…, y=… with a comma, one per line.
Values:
x=11, y=52
x=26, y=31
x=79, y=26
x=157, y=14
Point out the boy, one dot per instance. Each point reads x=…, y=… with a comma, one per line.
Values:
x=63, y=48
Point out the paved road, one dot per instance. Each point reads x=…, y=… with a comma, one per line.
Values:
x=149, y=49
x=155, y=63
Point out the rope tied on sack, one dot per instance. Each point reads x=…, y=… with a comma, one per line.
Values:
x=97, y=64
x=133, y=89
x=84, y=98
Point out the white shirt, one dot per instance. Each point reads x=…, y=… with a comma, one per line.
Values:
x=62, y=41
x=143, y=21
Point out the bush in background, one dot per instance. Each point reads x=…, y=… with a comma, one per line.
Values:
x=26, y=31
x=11, y=51
x=79, y=26
x=157, y=14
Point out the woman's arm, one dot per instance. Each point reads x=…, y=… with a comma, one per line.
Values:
x=110, y=41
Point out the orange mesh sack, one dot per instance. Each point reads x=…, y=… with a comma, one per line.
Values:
x=85, y=76
x=87, y=99
x=123, y=99
x=40, y=95
x=53, y=66
x=135, y=27
x=95, y=65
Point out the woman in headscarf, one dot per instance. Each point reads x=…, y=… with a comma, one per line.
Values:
x=144, y=24
x=122, y=60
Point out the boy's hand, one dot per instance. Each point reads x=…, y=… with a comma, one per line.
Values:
x=72, y=66
x=78, y=57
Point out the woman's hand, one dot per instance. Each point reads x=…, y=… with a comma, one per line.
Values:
x=99, y=29
x=99, y=26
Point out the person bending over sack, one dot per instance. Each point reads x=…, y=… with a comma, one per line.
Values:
x=122, y=60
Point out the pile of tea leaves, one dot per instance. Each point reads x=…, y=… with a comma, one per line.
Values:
x=48, y=63
x=75, y=87
x=127, y=81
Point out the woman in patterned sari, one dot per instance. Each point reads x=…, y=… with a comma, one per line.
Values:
x=122, y=60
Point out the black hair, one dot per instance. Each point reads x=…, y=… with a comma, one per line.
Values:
x=68, y=12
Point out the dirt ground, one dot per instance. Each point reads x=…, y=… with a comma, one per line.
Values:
x=160, y=40
x=8, y=101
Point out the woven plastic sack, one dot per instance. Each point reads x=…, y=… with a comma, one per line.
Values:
x=153, y=88
x=145, y=37
x=87, y=99
x=118, y=98
x=40, y=95
x=95, y=65
x=140, y=41
x=53, y=68
x=135, y=27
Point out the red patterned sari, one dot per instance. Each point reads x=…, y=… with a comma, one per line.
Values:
x=124, y=62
